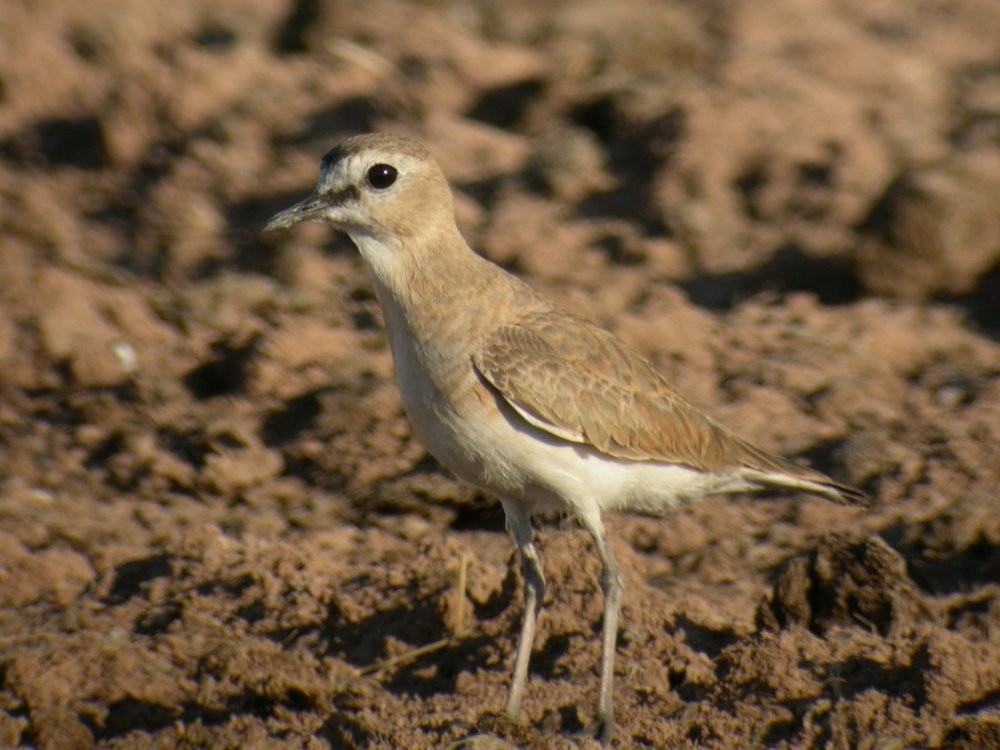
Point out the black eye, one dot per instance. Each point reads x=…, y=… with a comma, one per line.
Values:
x=382, y=176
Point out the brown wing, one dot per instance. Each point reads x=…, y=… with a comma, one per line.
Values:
x=579, y=383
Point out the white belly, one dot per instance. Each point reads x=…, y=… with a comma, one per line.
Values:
x=494, y=449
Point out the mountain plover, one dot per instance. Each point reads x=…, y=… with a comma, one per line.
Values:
x=536, y=406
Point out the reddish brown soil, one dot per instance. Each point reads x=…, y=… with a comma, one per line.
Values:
x=216, y=529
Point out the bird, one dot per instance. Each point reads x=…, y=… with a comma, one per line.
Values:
x=513, y=394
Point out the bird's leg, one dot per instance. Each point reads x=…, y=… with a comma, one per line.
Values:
x=519, y=525
x=611, y=584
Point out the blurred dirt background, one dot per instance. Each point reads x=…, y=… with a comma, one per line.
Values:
x=215, y=527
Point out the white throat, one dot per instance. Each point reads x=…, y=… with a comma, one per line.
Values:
x=386, y=259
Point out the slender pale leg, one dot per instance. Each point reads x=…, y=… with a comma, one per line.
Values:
x=611, y=584
x=519, y=526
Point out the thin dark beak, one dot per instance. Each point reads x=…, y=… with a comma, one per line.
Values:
x=305, y=210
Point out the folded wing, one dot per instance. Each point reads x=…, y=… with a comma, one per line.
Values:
x=580, y=384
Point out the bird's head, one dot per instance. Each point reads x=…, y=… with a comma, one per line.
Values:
x=382, y=188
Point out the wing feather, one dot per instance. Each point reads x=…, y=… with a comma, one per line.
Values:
x=579, y=383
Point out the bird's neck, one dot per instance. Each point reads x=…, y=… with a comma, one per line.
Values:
x=409, y=266
x=423, y=283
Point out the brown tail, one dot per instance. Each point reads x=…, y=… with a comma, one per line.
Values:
x=809, y=481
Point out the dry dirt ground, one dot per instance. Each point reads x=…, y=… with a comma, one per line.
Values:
x=216, y=529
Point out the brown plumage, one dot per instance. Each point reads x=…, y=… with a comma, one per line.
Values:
x=520, y=398
x=583, y=384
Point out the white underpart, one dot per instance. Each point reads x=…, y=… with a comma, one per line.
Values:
x=386, y=261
